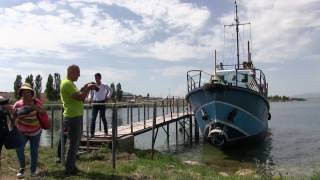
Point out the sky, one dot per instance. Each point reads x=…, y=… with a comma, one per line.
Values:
x=149, y=45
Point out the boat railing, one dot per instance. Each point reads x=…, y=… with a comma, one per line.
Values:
x=257, y=83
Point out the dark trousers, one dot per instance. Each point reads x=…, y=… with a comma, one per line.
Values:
x=3, y=132
x=102, y=110
x=74, y=129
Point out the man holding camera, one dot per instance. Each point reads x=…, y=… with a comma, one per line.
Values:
x=72, y=100
x=98, y=97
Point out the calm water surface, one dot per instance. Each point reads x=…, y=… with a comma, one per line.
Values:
x=291, y=148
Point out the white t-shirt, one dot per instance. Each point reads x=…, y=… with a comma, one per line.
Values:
x=104, y=92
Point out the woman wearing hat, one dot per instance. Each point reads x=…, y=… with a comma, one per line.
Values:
x=28, y=124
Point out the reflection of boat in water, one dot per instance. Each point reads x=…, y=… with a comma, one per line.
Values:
x=233, y=104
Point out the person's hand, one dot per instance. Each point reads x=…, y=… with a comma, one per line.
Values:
x=37, y=108
x=92, y=86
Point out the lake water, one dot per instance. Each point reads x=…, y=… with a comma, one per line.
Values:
x=291, y=148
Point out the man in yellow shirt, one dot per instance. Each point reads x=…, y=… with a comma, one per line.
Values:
x=72, y=100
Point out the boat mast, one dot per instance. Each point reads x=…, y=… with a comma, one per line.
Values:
x=237, y=29
x=215, y=62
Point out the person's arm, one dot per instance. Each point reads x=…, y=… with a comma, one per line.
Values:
x=38, y=106
x=84, y=91
x=109, y=92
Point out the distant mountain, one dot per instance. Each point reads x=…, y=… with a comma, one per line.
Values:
x=313, y=95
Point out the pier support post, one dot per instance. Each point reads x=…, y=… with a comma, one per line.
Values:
x=62, y=137
x=114, y=135
x=131, y=125
x=190, y=136
x=153, y=127
x=52, y=120
x=196, y=131
x=87, y=124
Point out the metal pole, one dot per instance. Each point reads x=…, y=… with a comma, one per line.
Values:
x=62, y=137
x=173, y=104
x=196, y=130
x=128, y=113
x=183, y=106
x=167, y=104
x=184, y=130
x=107, y=129
x=177, y=107
x=131, y=125
x=87, y=117
x=52, y=120
x=138, y=112
x=148, y=110
x=100, y=119
x=114, y=135
x=144, y=115
x=164, y=116
x=190, y=136
x=153, y=126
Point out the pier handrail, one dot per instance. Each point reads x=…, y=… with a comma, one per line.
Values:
x=163, y=112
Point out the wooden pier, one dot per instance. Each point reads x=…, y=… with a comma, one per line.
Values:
x=149, y=116
x=136, y=128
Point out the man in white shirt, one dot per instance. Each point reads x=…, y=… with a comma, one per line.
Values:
x=98, y=97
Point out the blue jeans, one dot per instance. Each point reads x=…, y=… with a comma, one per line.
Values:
x=34, y=147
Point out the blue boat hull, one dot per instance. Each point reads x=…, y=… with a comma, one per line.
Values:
x=228, y=113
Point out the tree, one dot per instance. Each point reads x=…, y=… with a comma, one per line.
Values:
x=17, y=85
x=56, y=86
x=49, y=88
x=119, y=92
x=29, y=79
x=113, y=96
x=38, y=86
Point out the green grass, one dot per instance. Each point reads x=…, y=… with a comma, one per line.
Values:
x=138, y=165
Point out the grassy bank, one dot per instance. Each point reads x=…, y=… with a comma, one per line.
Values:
x=138, y=165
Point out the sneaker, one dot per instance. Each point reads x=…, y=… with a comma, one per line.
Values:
x=20, y=173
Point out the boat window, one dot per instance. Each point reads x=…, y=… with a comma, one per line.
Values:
x=221, y=77
x=233, y=77
x=245, y=78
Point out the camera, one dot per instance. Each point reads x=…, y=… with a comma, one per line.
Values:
x=96, y=88
x=4, y=101
x=3, y=111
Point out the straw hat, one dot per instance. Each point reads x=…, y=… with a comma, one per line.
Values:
x=26, y=86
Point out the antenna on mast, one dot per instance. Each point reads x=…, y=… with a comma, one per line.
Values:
x=249, y=53
x=237, y=29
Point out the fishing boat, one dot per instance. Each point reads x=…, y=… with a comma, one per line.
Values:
x=231, y=104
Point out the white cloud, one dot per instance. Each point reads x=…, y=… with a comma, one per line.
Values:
x=162, y=29
x=47, y=6
x=89, y=25
x=26, y=7
x=284, y=30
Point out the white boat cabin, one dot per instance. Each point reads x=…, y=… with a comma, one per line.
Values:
x=244, y=77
